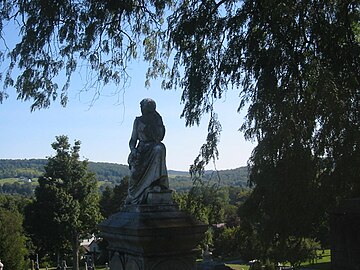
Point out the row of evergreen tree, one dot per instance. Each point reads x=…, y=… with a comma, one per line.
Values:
x=25, y=189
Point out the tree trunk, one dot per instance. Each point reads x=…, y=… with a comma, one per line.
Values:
x=75, y=249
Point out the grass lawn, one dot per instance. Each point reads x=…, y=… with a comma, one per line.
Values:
x=238, y=266
x=17, y=180
x=323, y=262
x=81, y=268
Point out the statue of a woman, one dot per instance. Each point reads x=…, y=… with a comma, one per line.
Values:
x=147, y=157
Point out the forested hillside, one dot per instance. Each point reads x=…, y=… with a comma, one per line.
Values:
x=21, y=168
x=112, y=174
x=33, y=168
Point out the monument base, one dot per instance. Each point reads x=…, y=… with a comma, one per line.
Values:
x=125, y=261
x=152, y=236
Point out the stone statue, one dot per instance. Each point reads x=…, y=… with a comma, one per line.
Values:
x=147, y=157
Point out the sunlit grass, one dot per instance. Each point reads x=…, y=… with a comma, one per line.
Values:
x=17, y=180
x=323, y=262
x=238, y=266
x=10, y=180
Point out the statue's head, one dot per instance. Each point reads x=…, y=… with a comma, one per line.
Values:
x=147, y=105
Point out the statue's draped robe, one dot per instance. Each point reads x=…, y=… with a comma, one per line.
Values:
x=147, y=164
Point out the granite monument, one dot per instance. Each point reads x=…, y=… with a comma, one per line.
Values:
x=150, y=232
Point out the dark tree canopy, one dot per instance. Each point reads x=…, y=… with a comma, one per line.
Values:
x=293, y=62
x=59, y=36
x=297, y=66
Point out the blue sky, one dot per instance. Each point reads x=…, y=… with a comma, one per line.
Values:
x=104, y=127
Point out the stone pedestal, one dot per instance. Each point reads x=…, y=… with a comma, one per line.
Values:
x=152, y=236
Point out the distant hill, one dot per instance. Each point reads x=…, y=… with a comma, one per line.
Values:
x=113, y=173
x=21, y=168
x=33, y=168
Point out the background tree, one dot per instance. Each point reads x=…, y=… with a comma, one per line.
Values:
x=14, y=203
x=13, y=211
x=112, y=199
x=66, y=208
x=12, y=240
x=205, y=203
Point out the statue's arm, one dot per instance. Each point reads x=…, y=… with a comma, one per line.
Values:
x=134, y=137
